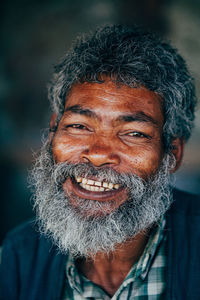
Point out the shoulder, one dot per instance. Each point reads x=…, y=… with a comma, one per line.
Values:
x=25, y=248
x=23, y=234
x=26, y=230
x=185, y=203
x=29, y=264
x=25, y=241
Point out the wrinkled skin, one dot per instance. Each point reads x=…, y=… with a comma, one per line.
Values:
x=117, y=127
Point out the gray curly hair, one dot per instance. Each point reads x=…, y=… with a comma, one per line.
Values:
x=133, y=57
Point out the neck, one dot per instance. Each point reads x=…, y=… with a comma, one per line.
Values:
x=109, y=270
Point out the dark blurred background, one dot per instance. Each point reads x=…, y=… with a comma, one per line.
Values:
x=34, y=35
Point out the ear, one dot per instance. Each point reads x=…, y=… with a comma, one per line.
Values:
x=177, y=150
x=53, y=125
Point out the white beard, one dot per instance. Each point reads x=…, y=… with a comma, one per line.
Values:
x=84, y=236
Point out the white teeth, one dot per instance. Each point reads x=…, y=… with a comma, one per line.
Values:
x=78, y=179
x=90, y=182
x=92, y=188
x=84, y=180
x=86, y=187
x=92, y=185
x=110, y=185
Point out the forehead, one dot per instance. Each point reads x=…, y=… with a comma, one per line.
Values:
x=107, y=97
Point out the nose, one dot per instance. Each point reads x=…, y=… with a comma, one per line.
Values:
x=100, y=154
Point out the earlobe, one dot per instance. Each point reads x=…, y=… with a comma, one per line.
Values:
x=177, y=150
x=53, y=125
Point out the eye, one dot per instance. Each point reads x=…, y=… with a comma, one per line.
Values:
x=138, y=134
x=78, y=129
x=77, y=126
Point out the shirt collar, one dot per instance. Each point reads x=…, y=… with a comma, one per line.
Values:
x=140, y=268
x=143, y=265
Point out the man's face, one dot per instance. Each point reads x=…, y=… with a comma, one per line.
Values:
x=109, y=127
x=103, y=176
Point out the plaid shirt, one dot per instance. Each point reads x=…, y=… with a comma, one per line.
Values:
x=145, y=281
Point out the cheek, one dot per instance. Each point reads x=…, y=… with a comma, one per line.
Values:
x=143, y=162
x=65, y=149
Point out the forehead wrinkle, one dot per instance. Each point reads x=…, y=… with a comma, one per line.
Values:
x=79, y=109
x=125, y=100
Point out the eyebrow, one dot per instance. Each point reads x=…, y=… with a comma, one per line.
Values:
x=78, y=109
x=137, y=117
x=128, y=118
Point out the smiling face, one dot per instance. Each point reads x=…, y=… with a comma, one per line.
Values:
x=109, y=127
x=103, y=176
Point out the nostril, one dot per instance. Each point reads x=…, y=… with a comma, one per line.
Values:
x=100, y=158
x=84, y=159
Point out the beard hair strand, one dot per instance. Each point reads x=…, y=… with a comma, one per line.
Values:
x=83, y=234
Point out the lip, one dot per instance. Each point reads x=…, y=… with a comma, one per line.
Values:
x=71, y=186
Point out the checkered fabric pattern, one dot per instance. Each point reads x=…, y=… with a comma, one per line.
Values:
x=145, y=281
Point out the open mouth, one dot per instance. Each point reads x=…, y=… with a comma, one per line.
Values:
x=96, y=186
x=91, y=189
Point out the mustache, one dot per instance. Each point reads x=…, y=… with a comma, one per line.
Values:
x=64, y=170
x=147, y=200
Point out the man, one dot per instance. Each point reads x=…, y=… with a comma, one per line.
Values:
x=111, y=225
